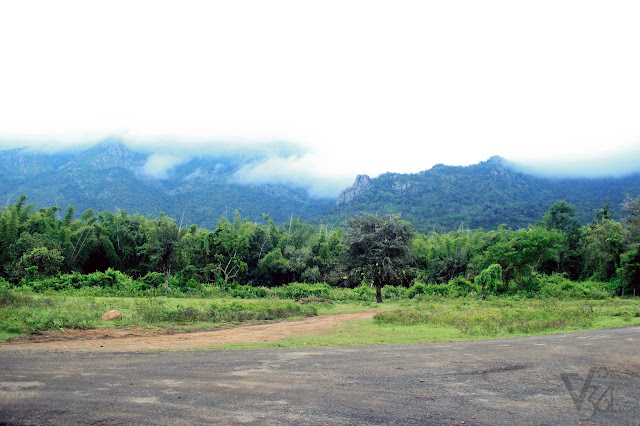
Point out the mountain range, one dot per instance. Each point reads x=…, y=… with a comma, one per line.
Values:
x=111, y=176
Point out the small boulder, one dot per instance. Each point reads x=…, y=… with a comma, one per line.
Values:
x=111, y=315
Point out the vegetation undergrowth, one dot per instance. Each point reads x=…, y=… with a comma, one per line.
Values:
x=27, y=313
x=549, y=304
x=449, y=319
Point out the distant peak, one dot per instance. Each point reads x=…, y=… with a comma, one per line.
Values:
x=362, y=179
x=359, y=187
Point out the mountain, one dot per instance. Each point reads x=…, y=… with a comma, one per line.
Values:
x=110, y=176
x=482, y=195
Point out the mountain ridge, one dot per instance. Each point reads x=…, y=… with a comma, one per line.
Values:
x=111, y=176
x=482, y=195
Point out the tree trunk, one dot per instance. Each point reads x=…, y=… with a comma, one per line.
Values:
x=378, y=293
x=167, y=274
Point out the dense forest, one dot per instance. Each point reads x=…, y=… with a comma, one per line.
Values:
x=60, y=246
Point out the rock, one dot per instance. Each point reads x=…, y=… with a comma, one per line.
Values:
x=359, y=187
x=111, y=315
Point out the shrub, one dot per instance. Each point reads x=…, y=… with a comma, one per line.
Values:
x=557, y=285
x=300, y=290
x=151, y=280
x=461, y=287
x=418, y=288
x=364, y=293
x=393, y=292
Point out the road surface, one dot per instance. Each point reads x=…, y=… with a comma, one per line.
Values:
x=507, y=381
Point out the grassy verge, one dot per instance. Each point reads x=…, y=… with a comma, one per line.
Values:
x=438, y=319
x=446, y=320
x=28, y=313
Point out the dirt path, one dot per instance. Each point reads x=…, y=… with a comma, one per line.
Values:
x=115, y=340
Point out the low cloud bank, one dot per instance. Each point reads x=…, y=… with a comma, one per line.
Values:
x=305, y=171
x=603, y=164
x=326, y=172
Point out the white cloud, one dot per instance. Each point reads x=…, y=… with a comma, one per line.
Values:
x=305, y=171
x=158, y=165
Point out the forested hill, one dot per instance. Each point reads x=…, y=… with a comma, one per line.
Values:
x=483, y=195
x=110, y=176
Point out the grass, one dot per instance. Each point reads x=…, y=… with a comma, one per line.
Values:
x=27, y=313
x=447, y=320
x=401, y=321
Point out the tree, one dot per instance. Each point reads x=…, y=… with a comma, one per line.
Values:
x=378, y=247
x=602, y=215
x=561, y=217
x=489, y=278
x=522, y=252
x=163, y=246
x=632, y=222
x=230, y=246
x=629, y=270
x=46, y=261
x=604, y=244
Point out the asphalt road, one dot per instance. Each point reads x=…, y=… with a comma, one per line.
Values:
x=508, y=381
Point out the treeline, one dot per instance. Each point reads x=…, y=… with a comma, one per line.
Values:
x=37, y=244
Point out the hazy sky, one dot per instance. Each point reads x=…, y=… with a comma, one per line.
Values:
x=353, y=86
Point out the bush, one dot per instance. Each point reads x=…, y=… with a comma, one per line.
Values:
x=417, y=289
x=300, y=290
x=459, y=287
x=392, y=292
x=557, y=285
x=248, y=292
x=151, y=280
x=364, y=293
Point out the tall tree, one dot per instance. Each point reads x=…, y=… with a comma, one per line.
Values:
x=629, y=270
x=163, y=246
x=378, y=248
x=561, y=217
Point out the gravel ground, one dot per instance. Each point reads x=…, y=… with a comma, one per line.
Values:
x=506, y=381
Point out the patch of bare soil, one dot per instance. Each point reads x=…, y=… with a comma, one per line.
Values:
x=133, y=340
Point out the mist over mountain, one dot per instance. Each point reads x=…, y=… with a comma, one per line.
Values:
x=201, y=186
x=112, y=176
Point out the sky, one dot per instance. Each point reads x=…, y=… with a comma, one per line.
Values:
x=326, y=90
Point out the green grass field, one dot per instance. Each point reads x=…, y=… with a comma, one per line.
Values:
x=446, y=320
x=399, y=322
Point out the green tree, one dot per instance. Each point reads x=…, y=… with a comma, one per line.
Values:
x=489, y=278
x=629, y=271
x=230, y=246
x=163, y=246
x=561, y=217
x=47, y=261
x=521, y=253
x=378, y=248
x=603, y=246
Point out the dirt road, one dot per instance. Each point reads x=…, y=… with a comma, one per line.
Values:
x=508, y=381
x=119, y=340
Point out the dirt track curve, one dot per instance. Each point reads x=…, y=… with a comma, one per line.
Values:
x=115, y=340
